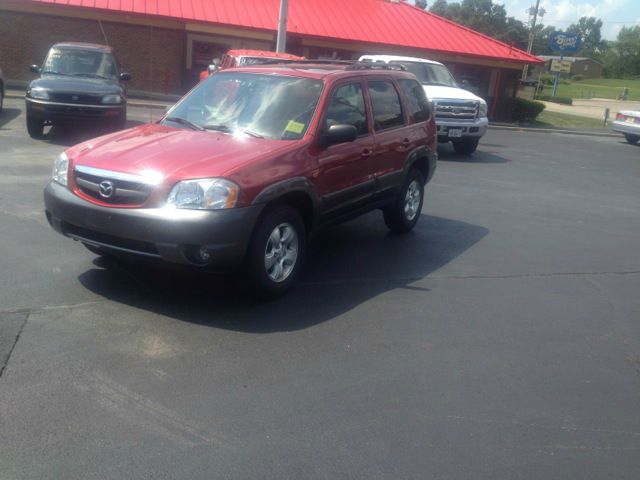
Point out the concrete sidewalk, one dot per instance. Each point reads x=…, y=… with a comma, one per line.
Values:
x=593, y=108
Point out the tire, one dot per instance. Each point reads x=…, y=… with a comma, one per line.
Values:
x=1, y=98
x=405, y=213
x=276, y=252
x=466, y=147
x=632, y=139
x=35, y=127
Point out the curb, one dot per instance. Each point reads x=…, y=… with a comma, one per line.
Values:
x=553, y=130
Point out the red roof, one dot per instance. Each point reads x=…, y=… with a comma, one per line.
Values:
x=387, y=22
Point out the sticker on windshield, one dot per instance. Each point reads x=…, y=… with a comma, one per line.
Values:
x=294, y=127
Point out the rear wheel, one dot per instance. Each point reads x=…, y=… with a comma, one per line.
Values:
x=276, y=252
x=35, y=127
x=405, y=213
x=466, y=147
x=633, y=139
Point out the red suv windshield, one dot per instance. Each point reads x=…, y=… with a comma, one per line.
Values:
x=270, y=106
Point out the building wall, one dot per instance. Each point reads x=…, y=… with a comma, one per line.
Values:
x=586, y=68
x=154, y=56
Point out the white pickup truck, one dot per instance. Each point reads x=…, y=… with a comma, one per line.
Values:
x=461, y=116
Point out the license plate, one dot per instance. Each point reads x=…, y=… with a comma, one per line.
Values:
x=455, y=132
x=629, y=120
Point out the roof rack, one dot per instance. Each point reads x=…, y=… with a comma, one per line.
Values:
x=376, y=66
x=271, y=61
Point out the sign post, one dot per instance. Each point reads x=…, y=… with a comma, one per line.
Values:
x=564, y=43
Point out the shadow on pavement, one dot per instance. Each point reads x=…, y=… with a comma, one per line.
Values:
x=71, y=134
x=446, y=153
x=7, y=115
x=346, y=266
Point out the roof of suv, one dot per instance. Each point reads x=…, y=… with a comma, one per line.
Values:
x=84, y=46
x=321, y=69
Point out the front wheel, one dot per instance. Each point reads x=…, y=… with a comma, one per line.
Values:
x=404, y=214
x=276, y=252
x=633, y=139
x=35, y=127
x=466, y=147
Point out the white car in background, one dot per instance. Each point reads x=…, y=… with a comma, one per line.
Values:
x=627, y=123
x=461, y=116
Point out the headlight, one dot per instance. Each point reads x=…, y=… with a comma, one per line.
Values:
x=204, y=194
x=39, y=92
x=60, y=169
x=482, y=111
x=111, y=99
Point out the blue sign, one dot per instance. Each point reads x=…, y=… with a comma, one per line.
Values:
x=565, y=42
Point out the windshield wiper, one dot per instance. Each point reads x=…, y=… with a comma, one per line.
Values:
x=227, y=129
x=185, y=122
x=219, y=127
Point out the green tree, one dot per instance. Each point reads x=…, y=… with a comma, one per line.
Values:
x=622, y=59
x=485, y=17
x=589, y=29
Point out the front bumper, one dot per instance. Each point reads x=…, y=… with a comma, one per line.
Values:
x=624, y=127
x=468, y=129
x=66, y=112
x=171, y=235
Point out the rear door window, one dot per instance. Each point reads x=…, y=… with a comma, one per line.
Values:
x=347, y=108
x=387, y=109
x=416, y=99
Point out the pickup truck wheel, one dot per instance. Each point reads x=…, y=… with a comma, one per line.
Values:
x=633, y=139
x=405, y=213
x=35, y=127
x=276, y=252
x=466, y=147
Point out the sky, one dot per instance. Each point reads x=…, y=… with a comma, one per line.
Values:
x=614, y=14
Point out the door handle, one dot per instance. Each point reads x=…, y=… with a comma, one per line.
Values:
x=366, y=153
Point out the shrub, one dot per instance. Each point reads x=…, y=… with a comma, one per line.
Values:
x=547, y=79
x=527, y=110
x=564, y=81
x=577, y=78
x=549, y=98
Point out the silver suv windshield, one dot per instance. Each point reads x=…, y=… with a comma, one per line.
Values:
x=429, y=73
x=270, y=106
x=80, y=63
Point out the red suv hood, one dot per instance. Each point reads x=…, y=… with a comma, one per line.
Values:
x=172, y=153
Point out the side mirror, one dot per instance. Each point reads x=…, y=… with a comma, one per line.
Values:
x=212, y=68
x=125, y=77
x=34, y=68
x=339, y=134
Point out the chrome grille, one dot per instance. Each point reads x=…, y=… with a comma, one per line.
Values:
x=112, y=187
x=456, y=110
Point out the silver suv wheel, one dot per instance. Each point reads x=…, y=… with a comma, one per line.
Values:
x=281, y=252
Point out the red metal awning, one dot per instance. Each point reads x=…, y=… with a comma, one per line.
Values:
x=370, y=21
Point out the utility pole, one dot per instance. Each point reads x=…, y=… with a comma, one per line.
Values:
x=281, y=42
x=533, y=12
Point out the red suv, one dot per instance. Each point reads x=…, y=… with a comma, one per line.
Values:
x=248, y=165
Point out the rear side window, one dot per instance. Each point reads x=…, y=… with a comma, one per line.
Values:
x=387, y=109
x=416, y=98
x=347, y=108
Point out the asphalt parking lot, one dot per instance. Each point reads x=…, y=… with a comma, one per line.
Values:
x=501, y=339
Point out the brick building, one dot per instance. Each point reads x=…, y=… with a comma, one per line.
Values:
x=165, y=44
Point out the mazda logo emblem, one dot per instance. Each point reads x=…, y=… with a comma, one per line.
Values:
x=106, y=189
